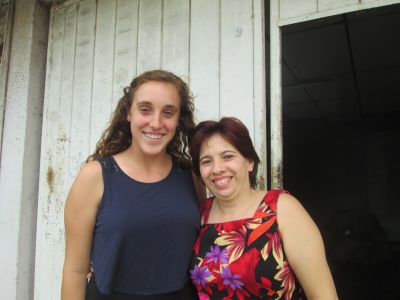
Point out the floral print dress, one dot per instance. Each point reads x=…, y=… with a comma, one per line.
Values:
x=243, y=259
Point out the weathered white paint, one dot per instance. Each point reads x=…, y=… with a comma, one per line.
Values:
x=329, y=4
x=205, y=58
x=236, y=65
x=292, y=12
x=125, y=51
x=259, y=96
x=97, y=47
x=5, y=34
x=54, y=172
x=20, y=149
x=276, y=97
x=289, y=9
x=175, y=37
x=150, y=38
x=103, y=68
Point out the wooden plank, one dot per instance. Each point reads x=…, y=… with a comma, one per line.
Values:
x=259, y=90
x=236, y=68
x=6, y=23
x=67, y=85
x=150, y=35
x=333, y=4
x=102, y=69
x=204, y=58
x=49, y=240
x=365, y=4
x=125, y=53
x=290, y=8
x=64, y=4
x=276, y=97
x=82, y=92
x=175, y=46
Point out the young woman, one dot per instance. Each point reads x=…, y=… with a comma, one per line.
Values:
x=253, y=244
x=132, y=213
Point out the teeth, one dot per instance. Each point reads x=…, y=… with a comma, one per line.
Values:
x=222, y=181
x=154, y=136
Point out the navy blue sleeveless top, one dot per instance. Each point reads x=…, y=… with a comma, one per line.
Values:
x=144, y=232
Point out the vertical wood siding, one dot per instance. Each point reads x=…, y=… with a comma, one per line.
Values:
x=291, y=12
x=97, y=47
x=5, y=28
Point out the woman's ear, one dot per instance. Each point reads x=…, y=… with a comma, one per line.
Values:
x=251, y=166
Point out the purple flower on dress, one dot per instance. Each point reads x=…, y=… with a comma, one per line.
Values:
x=216, y=254
x=231, y=279
x=199, y=275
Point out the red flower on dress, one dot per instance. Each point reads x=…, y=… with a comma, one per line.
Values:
x=246, y=267
x=235, y=242
x=274, y=245
x=286, y=275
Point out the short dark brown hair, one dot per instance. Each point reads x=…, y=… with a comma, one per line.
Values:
x=234, y=132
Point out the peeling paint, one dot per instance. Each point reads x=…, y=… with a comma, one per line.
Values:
x=238, y=32
x=261, y=182
x=50, y=179
x=277, y=176
x=62, y=138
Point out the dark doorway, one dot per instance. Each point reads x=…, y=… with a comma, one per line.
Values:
x=341, y=112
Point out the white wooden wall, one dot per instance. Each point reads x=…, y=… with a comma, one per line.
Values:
x=5, y=33
x=97, y=47
x=291, y=12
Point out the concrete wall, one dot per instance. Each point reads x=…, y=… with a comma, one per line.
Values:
x=19, y=172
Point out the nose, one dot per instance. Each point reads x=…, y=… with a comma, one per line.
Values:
x=155, y=122
x=218, y=167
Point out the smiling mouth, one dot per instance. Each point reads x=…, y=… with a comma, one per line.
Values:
x=221, y=181
x=153, y=136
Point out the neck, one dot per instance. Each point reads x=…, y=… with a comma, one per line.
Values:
x=240, y=207
x=144, y=168
x=148, y=161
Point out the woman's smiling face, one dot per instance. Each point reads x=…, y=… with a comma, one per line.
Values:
x=154, y=116
x=223, y=169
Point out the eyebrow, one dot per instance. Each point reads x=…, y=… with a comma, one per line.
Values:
x=222, y=153
x=169, y=106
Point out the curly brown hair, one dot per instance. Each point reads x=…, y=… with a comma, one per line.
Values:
x=118, y=137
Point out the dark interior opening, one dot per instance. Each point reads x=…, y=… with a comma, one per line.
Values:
x=341, y=143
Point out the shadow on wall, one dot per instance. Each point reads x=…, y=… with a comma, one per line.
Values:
x=363, y=263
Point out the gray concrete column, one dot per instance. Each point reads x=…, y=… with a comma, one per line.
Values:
x=19, y=170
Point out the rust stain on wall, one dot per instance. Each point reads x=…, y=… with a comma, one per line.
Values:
x=261, y=182
x=50, y=179
x=277, y=176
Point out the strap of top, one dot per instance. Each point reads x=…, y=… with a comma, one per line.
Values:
x=108, y=165
x=271, y=199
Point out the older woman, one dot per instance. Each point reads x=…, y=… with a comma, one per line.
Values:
x=253, y=244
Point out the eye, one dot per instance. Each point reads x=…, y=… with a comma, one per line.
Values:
x=144, y=110
x=205, y=162
x=228, y=156
x=169, y=113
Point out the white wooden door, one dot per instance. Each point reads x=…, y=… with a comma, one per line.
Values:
x=97, y=47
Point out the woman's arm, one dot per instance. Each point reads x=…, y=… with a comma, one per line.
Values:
x=305, y=249
x=80, y=217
